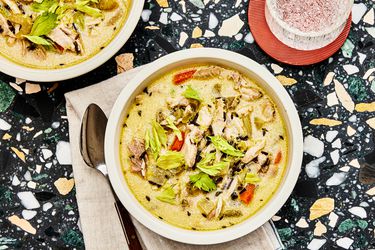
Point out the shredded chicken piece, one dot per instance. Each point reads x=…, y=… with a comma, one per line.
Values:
x=262, y=158
x=137, y=147
x=253, y=152
x=115, y=17
x=208, y=72
x=40, y=53
x=234, y=128
x=195, y=134
x=243, y=108
x=190, y=151
x=268, y=111
x=238, y=80
x=136, y=165
x=230, y=189
x=251, y=94
x=219, y=207
x=12, y=5
x=6, y=29
x=218, y=122
x=204, y=118
x=61, y=38
x=177, y=102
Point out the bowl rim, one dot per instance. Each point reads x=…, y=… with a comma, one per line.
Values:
x=341, y=21
x=49, y=75
x=162, y=228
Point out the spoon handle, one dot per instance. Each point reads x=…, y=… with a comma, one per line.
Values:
x=128, y=227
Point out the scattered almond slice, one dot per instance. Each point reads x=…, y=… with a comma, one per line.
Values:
x=371, y=191
x=320, y=229
x=64, y=185
x=19, y=81
x=343, y=96
x=27, y=128
x=286, y=81
x=54, y=86
x=163, y=3
x=197, y=32
x=22, y=223
x=16, y=86
x=124, y=62
x=350, y=131
x=365, y=107
x=7, y=136
x=196, y=45
x=321, y=207
x=19, y=153
x=354, y=163
x=31, y=88
x=302, y=223
x=327, y=81
x=152, y=28
x=325, y=122
x=371, y=122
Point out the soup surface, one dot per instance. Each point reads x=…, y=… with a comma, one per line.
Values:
x=203, y=147
x=50, y=34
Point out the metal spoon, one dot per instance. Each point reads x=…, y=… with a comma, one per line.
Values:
x=93, y=127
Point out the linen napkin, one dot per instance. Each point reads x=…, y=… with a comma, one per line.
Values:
x=100, y=223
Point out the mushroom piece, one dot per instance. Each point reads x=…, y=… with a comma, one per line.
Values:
x=204, y=118
x=251, y=94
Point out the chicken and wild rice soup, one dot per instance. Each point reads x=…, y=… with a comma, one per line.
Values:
x=50, y=34
x=203, y=147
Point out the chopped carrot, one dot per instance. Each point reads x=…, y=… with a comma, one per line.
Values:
x=177, y=144
x=278, y=157
x=184, y=76
x=248, y=194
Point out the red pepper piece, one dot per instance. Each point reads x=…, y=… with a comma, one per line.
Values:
x=183, y=76
x=177, y=144
x=248, y=195
x=278, y=157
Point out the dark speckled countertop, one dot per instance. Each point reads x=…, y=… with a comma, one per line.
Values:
x=329, y=208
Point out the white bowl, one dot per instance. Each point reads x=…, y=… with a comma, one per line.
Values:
x=46, y=75
x=297, y=39
x=227, y=59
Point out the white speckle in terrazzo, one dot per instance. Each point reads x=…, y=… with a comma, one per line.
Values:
x=238, y=37
x=146, y=15
x=351, y=69
x=335, y=156
x=276, y=68
x=31, y=184
x=353, y=118
x=163, y=18
x=358, y=11
x=344, y=242
x=28, y=120
x=197, y=3
x=48, y=165
x=364, y=204
x=47, y=206
x=183, y=37
x=316, y=244
x=212, y=21
x=312, y=168
x=332, y=219
x=362, y=57
x=4, y=125
x=231, y=26
x=28, y=214
x=209, y=33
x=249, y=38
x=28, y=200
x=345, y=169
x=18, y=137
x=354, y=163
x=336, y=179
x=332, y=99
x=337, y=144
x=15, y=181
x=175, y=17
x=27, y=176
x=331, y=135
x=358, y=211
x=46, y=153
x=313, y=146
x=63, y=153
x=371, y=31
x=302, y=223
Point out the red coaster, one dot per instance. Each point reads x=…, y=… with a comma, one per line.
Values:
x=281, y=52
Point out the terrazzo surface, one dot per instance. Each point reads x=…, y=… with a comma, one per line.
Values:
x=329, y=208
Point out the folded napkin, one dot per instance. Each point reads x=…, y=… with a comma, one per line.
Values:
x=101, y=227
